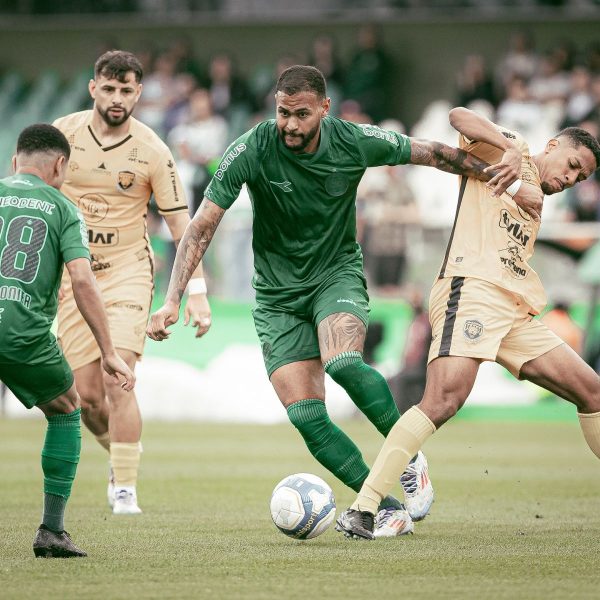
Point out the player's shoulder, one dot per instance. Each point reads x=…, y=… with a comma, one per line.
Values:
x=70, y=123
x=515, y=137
x=147, y=136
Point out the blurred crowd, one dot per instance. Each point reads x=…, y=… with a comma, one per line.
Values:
x=199, y=108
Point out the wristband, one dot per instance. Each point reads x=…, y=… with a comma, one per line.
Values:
x=197, y=286
x=513, y=188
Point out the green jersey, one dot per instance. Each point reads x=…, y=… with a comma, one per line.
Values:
x=304, y=226
x=40, y=230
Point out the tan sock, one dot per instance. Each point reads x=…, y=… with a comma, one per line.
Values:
x=125, y=460
x=590, y=425
x=402, y=443
x=104, y=440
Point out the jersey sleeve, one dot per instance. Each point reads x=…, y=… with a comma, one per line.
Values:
x=381, y=147
x=74, y=236
x=234, y=170
x=166, y=184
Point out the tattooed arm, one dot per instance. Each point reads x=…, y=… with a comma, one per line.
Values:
x=190, y=250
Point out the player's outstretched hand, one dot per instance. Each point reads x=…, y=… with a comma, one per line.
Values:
x=115, y=366
x=530, y=199
x=197, y=312
x=505, y=172
x=159, y=321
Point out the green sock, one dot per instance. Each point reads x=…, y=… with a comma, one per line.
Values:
x=367, y=388
x=327, y=443
x=60, y=456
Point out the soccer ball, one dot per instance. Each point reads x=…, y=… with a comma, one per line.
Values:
x=302, y=506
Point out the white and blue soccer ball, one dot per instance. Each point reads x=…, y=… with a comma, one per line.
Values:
x=302, y=506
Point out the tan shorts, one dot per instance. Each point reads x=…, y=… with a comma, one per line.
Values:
x=127, y=295
x=472, y=317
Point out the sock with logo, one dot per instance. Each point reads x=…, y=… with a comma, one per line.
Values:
x=590, y=425
x=60, y=457
x=366, y=387
x=125, y=461
x=404, y=440
x=327, y=443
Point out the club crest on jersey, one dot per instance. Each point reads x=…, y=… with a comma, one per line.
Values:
x=126, y=179
x=473, y=330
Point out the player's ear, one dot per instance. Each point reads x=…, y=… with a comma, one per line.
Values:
x=551, y=145
x=326, y=106
x=14, y=163
x=92, y=88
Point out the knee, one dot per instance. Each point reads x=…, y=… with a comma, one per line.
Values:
x=442, y=408
x=63, y=405
x=589, y=401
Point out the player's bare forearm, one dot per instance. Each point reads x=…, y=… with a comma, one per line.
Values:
x=448, y=158
x=177, y=223
x=89, y=302
x=190, y=250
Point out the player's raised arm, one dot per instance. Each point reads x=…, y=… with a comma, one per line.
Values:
x=476, y=127
x=90, y=304
x=196, y=239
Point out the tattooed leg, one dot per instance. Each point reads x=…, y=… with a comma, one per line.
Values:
x=341, y=340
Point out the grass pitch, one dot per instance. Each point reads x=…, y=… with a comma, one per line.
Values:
x=516, y=516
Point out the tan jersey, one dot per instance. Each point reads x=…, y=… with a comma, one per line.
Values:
x=112, y=185
x=492, y=238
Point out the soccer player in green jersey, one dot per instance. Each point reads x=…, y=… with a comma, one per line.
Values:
x=40, y=231
x=302, y=170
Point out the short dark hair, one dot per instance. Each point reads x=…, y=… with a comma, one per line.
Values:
x=115, y=64
x=42, y=137
x=580, y=137
x=302, y=78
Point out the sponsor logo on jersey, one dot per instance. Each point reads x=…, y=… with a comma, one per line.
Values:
x=509, y=135
x=34, y=203
x=382, y=134
x=94, y=207
x=73, y=165
x=511, y=260
x=228, y=159
x=174, y=185
x=15, y=294
x=102, y=166
x=286, y=186
x=99, y=262
x=515, y=229
x=125, y=179
x=132, y=157
x=104, y=236
x=23, y=182
x=170, y=164
x=128, y=306
x=473, y=330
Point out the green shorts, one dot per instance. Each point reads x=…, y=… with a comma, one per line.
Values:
x=288, y=332
x=38, y=384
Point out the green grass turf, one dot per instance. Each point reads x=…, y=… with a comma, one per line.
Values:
x=516, y=516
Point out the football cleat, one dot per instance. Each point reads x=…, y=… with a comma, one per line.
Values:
x=126, y=502
x=110, y=490
x=356, y=524
x=52, y=544
x=392, y=522
x=418, y=491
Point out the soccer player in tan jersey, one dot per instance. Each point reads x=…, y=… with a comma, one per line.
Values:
x=117, y=163
x=483, y=303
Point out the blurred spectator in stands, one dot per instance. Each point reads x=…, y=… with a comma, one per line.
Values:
x=369, y=73
x=182, y=52
x=350, y=110
x=580, y=102
x=388, y=211
x=473, y=82
x=228, y=90
x=408, y=385
x=178, y=111
x=158, y=93
x=518, y=110
x=559, y=321
x=198, y=143
x=583, y=201
x=264, y=81
x=551, y=82
x=520, y=61
x=324, y=56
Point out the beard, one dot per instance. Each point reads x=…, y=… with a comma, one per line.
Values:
x=303, y=139
x=114, y=121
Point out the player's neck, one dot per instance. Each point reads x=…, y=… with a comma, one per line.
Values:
x=108, y=134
